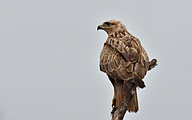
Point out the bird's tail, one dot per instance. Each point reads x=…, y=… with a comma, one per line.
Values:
x=119, y=92
x=121, y=88
x=133, y=105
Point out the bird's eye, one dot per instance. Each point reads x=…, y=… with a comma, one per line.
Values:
x=107, y=24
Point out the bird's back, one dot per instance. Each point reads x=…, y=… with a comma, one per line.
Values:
x=116, y=66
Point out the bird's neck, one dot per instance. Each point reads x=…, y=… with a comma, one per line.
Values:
x=119, y=33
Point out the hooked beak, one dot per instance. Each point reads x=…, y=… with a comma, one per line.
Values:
x=99, y=27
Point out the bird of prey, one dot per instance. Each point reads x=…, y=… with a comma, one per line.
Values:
x=125, y=62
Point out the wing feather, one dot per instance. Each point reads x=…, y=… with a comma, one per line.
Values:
x=123, y=58
x=129, y=68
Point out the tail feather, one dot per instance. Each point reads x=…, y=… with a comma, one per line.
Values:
x=119, y=92
x=121, y=88
x=133, y=106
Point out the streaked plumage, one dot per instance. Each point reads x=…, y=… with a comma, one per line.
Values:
x=124, y=60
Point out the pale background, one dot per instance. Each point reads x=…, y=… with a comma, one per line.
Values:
x=49, y=58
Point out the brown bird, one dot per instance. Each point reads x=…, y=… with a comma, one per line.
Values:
x=125, y=62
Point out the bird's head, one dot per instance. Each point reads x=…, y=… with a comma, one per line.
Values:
x=111, y=26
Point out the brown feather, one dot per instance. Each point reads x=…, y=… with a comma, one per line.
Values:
x=119, y=92
x=129, y=68
x=125, y=61
x=133, y=106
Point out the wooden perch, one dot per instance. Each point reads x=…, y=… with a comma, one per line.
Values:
x=152, y=64
x=118, y=114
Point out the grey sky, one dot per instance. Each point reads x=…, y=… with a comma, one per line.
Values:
x=49, y=64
